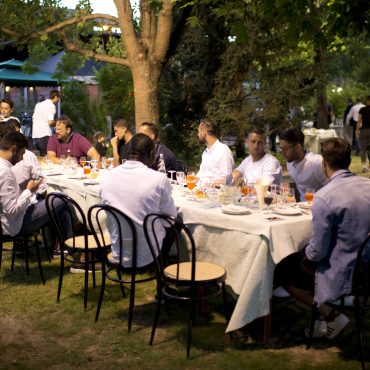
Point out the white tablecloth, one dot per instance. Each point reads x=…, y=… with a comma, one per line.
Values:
x=247, y=246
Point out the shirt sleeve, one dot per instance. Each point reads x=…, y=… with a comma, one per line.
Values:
x=349, y=116
x=322, y=223
x=52, y=144
x=271, y=171
x=227, y=163
x=241, y=167
x=51, y=112
x=12, y=205
x=167, y=205
x=320, y=175
x=84, y=144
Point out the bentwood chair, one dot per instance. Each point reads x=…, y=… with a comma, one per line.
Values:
x=182, y=280
x=360, y=291
x=22, y=240
x=71, y=248
x=113, y=269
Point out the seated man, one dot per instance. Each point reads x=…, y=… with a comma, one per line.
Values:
x=258, y=164
x=18, y=216
x=304, y=168
x=323, y=272
x=66, y=142
x=153, y=195
x=151, y=130
x=122, y=136
x=217, y=159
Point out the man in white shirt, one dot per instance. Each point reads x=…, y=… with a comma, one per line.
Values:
x=258, y=164
x=305, y=168
x=352, y=118
x=136, y=190
x=18, y=216
x=217, y=159
x=43, y=121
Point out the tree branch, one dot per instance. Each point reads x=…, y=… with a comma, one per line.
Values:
x=163, y=30
x=8, y=32
x=92, y=54
x=146, y=18
x=68, y=22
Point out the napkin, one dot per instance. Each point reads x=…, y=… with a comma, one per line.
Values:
x=261, y=190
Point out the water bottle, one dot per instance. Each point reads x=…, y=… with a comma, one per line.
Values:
x=161, y=165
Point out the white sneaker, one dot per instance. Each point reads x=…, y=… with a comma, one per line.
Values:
x=280, y=292
x=319, y=330
x=364, y=169
x=336, y=326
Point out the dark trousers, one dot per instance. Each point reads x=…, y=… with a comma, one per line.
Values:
x=364, y=142
x=41, y=144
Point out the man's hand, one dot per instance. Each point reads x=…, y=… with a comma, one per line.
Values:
x=33, y=185
x=114, y=142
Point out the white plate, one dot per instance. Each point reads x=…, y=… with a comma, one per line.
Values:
x=52, y=173
x=91, y=182
x=232, y=209
x=304, y=205
x=77, y=177
x=287, y=211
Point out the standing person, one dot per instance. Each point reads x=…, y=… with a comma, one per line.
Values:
x=340, y=223
x=217, y=159
x=100, y=145
x=152, y=196
x=43, y=121
x=151, y=130
x=363, y=131
x=67, y=142
x=258, y=164
x=122, y=136
x=6, y=110
x=352, y=119
x=348, y=129
x=305, y=168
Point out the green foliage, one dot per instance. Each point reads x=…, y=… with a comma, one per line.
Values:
x=87, y=116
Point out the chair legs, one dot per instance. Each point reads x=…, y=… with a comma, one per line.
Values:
x=27, y=256
x=157, y=311
x=189, y=335
x=312, y=325
x=46, y=247
x=132, y=304
x=120, y=283
x=101, y=292
x=358, y=331
x=61, y=273
x=86, y=285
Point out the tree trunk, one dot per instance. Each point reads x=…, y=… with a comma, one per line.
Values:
x=146, y=80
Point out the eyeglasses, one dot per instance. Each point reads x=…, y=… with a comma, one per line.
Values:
x=284, y=148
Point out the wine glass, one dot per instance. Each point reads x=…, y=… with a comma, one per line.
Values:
x=62, y=159
x=180, y=177
x=309, y=194
x=268, y=199
x=82, y=161
x=104, y=162
x=172, y=179
x=190, y=181
x=94, y=165
x=290, y=196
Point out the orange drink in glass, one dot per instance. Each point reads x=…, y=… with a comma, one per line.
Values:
x=87, y=170
x=190, y=180
x=309, y=195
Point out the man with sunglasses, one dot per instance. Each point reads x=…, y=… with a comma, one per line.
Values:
x=305, y=168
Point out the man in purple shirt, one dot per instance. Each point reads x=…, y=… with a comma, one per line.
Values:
x=66, y=142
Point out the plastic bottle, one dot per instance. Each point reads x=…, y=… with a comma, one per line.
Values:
x=161, y=165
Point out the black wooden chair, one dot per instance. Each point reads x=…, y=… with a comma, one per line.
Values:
x=360, y=291
x=114, y=270
x=24, y=241
x=182, y=280
x=72, y=247
x=182, y=166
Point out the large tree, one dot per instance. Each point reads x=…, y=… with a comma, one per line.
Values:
x=142, y=44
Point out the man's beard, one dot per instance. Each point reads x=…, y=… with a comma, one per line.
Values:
x=202, y=141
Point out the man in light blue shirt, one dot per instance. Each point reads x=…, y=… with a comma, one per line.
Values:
x=341, y=222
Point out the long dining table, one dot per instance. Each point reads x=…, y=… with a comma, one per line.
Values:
x=247, y=246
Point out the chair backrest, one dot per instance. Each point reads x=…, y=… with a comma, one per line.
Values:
x=101, y=214
x=151, y=223
x=182, y=166
x=54, y=202
x=361, y=274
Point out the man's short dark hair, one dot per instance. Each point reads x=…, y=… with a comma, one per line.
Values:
x=15, y=123
x=13, y=139
x=358, y=99
x=54, y=93
x=209, y=126
x=140, y=145
x=152, y=128
x=293, y=136
x=122, y=123
x=67, y=122
x=9, y=102
x=6, y=127
x=98, y=135
x=256, y=130
x=336, y=153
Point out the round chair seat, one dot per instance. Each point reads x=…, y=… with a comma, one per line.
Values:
x=79, y=242
x=204, y=271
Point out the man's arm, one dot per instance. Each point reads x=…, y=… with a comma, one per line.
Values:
x=226, y=163
x=359, y=124
x=322, y=223
x=271, y=171
x=114, y=143
x=167, y=205
x=53, y=157
x=349, y=116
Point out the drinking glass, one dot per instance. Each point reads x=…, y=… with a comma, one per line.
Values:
x=268, y=199
x=190, y=181
x=180, y=177
x=82, y=161
x=290, y=196
x=309, y=195
x=73, y=164
x=62, y=159
x=104, y=162
x=87, y=169
x=94, y=164
x=48, y=162
x=275, y=192
x=172, y=178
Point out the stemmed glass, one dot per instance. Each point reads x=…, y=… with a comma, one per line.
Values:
x=309, y=194
x=172, y=179
x=290, y=196
x=180, y=177
x=268, y=199
x=82, y=161
x=94, y=164
x=104, y=162
x=62, y=159
x=190, y=181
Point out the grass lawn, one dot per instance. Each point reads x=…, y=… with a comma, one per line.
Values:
x=38, y=333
